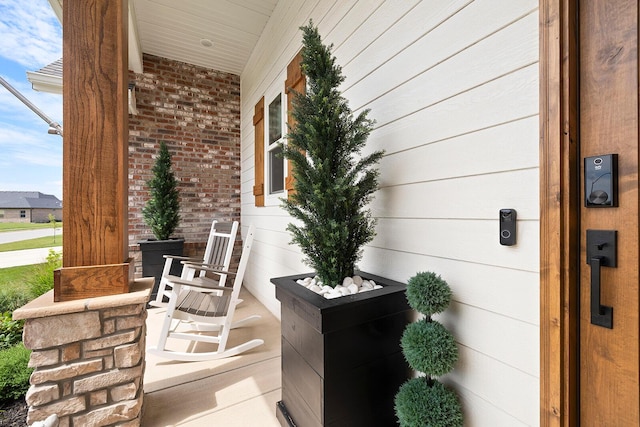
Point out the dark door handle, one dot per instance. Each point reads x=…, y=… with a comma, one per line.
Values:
x=601, y=315
x=601, y=252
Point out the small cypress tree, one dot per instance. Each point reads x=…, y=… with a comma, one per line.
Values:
x=333, y=182
x=162, y=211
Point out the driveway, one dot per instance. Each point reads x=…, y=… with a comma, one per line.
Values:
x=27, y=256
x=14, y=236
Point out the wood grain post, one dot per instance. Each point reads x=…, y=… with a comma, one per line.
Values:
x=95, y=149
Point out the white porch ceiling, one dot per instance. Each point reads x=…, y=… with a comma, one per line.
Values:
x=173, y=29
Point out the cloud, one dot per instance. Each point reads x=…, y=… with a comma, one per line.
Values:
x=12, y=108
x=30, y=33
x=27, y=147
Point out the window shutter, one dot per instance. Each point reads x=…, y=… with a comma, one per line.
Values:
x=295, y=82
x=258, y=129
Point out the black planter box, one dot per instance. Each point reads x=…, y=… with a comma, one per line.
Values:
x=341, y=358
x=153, y=252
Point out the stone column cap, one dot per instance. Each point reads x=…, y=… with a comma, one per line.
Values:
x=44, y=306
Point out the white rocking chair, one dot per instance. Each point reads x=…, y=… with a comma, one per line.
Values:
x=198, y=301
x=217, y=253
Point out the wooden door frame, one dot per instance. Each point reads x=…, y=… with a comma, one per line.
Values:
x=559, y=213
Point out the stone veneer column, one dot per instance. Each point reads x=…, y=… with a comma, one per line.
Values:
x=88, y=357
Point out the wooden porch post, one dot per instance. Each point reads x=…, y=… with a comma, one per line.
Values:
x=559, y=214
x=95, y=150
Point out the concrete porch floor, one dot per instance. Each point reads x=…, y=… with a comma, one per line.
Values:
x=237, y=391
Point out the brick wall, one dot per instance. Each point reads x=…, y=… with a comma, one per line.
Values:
x=196, y=111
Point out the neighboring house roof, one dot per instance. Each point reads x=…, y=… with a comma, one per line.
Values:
x=28, y=200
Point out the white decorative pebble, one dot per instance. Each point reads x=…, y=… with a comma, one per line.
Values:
x=347, y=281
x=366, y=285
x=349, y=286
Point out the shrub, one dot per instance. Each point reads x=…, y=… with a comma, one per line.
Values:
x=429, y=347
x=12, y=298
x=424, y=402
x=40, y=281
x=10, y=330
x=35, y=281
x=427, y=293
x=162, y=211
x=14, y=372
x=334, y=182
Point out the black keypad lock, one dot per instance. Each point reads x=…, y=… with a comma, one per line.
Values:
x=601, y=181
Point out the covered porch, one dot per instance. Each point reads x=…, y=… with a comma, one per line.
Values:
x=449, y=83
x=235, y=391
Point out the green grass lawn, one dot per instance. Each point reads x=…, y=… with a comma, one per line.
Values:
x=17, y=226
x=14, y=277
x=11, y=274
x=40, y=242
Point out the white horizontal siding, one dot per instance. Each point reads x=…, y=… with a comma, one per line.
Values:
x=504, y=291
x=453, y=87
x=508, y=389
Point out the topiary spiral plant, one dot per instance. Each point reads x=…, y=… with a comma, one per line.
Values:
x=333, y=182
x=430, y=348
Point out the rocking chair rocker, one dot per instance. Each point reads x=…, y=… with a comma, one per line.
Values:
x=207, y=307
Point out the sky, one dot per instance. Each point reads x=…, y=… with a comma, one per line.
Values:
x=30, y=158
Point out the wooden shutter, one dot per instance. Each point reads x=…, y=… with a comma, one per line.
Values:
x=295, y=82
x=258, y=129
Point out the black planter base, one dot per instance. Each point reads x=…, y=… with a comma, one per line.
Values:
x=153, y=252
x=283, y=416
x=341, y=359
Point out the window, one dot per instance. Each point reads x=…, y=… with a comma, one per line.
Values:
x=23, y=214
x=273, y=147
x=1, y=213
x=273, y=176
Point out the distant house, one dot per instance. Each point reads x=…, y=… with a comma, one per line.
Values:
x=28, y=206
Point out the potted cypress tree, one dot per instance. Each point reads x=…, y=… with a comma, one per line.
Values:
x=431, y=349
x=341, y=357
x=162, y=214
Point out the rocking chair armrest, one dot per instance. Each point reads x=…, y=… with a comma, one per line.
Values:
x=213, y=268
x=198, y=284
x=195, y=263
x=180, y=258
